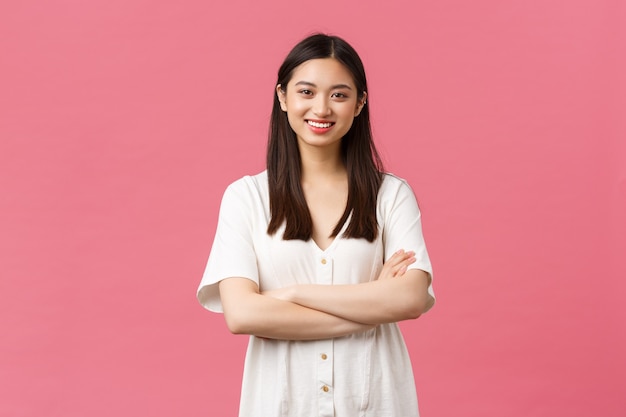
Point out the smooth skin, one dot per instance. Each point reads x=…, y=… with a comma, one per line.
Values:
x=321, y=102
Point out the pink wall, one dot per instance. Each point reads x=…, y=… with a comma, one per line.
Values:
x=122, y=121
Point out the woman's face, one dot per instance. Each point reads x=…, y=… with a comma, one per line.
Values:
x=321, y=101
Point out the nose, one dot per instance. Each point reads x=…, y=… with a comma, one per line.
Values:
x=321, y=107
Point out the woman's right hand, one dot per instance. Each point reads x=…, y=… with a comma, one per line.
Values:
x=397, y=265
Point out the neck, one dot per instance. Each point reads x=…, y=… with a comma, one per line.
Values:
x=321, y=163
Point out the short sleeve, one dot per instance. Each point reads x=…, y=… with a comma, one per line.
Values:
x=402, y=224
x=232, y=253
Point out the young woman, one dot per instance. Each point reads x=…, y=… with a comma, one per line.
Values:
x=318, y=257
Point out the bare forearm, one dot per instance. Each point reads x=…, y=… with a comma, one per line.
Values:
x=376, y=302
x=252, y=313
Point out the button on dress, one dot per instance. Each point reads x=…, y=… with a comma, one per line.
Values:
x=367, y=374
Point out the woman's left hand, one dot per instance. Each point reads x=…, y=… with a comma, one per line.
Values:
x=396, y=266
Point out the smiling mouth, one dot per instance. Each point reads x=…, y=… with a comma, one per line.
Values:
x=323, y=125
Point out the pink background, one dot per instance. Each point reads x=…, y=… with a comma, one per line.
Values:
x=122, y=121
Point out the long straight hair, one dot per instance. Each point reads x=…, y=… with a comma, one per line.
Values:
x=362, y=161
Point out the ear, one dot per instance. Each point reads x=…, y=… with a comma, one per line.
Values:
x=282, y=97
x=361, y=104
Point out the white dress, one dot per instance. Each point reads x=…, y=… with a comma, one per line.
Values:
x=366, y=374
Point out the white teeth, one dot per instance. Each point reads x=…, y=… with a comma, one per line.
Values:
x=322, y=125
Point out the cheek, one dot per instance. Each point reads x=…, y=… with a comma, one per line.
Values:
x=347, y=113
x=292, y=120
x=294, y=115
x=295, y=106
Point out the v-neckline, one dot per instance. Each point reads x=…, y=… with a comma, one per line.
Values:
x=319, y=249
x=334, y=241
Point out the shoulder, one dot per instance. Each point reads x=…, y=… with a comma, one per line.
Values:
x=392, y=179
x=392, y=185
x=247, y=193
x=396, y=195
x=258, y=181
x=248, y=185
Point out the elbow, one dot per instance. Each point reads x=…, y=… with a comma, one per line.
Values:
x=403, y=311
x=235, y=328
x=416, y=306
x=415, y=299
x=413, y=312
x=233, y=325
x=240, y=315
x=238, y=324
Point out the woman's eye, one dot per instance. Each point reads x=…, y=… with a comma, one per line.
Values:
x=306, y=92
x=340, y=95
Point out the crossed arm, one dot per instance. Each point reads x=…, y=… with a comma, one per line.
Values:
x=306, y=312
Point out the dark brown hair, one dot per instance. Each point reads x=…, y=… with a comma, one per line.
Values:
x=363, y=164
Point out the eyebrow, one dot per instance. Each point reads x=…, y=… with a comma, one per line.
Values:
x=310, y=84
